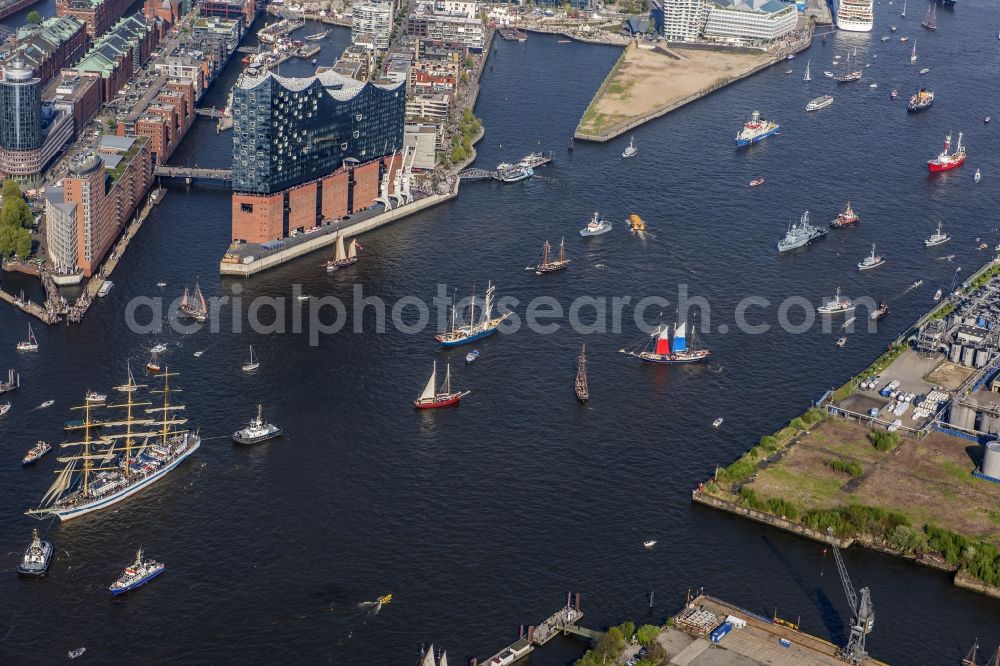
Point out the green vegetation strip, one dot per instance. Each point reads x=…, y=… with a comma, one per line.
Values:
x=613, y=642
x=15, y=219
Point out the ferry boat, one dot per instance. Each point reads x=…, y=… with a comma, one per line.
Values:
x=756, y=129
x=881, y=312
x=117, y=464
x=756, y=182
x=597, y=226
x=937, y=238
x=37, y=556
x=819, y=103
x=836, y=305
x=471, y=356
x=947, y=161
x=580, y=385
x=854, y=15
x=659, y=349
x=257, y=431
x=342, y=258
x=920, y=101
x=137, y=574
x=486, y=325
x=431, y=398
x=105, y=288
x=193, y=305
x=846, y=219
x=548, y=264
x=251, y=363
x=513, y=173
x=930, y=21
x=31, y=344
x=316, y=37
x=800, y=234
x=630, y=149
x=34, y=453
x=871, y=261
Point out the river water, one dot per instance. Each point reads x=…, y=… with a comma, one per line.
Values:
x=481, y=518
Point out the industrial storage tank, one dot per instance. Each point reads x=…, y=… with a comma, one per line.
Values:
x=955, y=354
x=967, y=354
x=982, y=357
x=991, y=460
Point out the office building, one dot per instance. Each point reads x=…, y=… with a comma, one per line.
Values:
x=309, y=149
x=20, y=108
x=754, y=21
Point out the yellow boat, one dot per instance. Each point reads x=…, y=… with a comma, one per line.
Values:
x=384, y=600
x=635, y=223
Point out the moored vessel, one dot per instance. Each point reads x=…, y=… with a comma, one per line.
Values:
x=432, y=398
x=848, y=218
x=937, y=238
x=836, y=305
x=597, y=226
x=476, y=329
x=512, y=173
x=871, y=261
x=37, y=557
x=140, y=572
x=581, y=386
x=105, y=289
x=31, y=344
x=800, y=234
x=659, y=348
x=34, y=453
x=819, y=103
x=257, y=431
x=316, y=37
x=946, y=160
x=756, y=129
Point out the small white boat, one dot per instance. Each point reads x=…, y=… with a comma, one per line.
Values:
x=650, y=543
x=873, y=85
x=918, y=283
x=73, y=654
x=937, y=295
x=841, y=342
x=105, y=288
x=94, y=396
x=252, y=363
x=987, y=119
x=977, y=177
x=161, y=284
x=31, y=344
x=472, y=356
x=47, y=403
x=198, y=354
x=717, y=422
x=630, y=149
x=848, y=322
x=303, y=297
x=925, y=70
x=158, y=348
x=4, y=408
x=828, y=75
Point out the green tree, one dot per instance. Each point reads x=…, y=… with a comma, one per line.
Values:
x=646, y=634
x=22, y=244
x=627, y=629
x=34, y=17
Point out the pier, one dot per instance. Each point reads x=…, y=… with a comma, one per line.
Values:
x=532, y=160
x=563, y=620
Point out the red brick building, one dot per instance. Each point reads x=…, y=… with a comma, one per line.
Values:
x=99, y=15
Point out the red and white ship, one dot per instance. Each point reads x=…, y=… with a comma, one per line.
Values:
x=431, y=398
x=658, y=348
x=947, y=161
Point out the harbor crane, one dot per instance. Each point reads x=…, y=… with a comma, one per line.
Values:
x=864, y=614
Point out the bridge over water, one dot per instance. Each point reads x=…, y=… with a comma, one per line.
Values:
x=194, y=173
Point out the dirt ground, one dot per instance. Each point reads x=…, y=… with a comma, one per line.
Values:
x=928, y=480
x=949, y=375
x=649, y=80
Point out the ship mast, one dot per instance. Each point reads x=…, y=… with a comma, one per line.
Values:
x=129, y=388
x=166, y=419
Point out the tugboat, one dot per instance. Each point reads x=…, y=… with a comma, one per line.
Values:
x=819, y=103
x=257, y=431
x=938, y=238
x=630, y=149
x=846, y=219
x=581, y=386
x=836, y=305
x=474, y=330
x=946, y=161
x=662, y=352
x=431, y=398
x=881, y=312
x=194, y=305
x=136, y=574
x=597, y=226
x=756, y=129
x=921, y=101
x=31, y=344
x=342, y=259
x=549, y=265
x=800, y=234
x=871, y=261
x=37, y=557
x=34, y=453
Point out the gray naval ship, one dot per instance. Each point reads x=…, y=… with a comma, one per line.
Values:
x=800, y=234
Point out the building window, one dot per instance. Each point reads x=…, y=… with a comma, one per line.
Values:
x=246, y=208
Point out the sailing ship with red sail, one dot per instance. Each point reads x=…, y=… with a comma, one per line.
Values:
x=662, y=348
x=948, y=160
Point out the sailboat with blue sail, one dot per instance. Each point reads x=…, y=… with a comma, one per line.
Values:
x=661, y=348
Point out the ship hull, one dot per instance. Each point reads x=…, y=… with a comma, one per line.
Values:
x=240, y=439
x=37, y=570
x=448, y=401
x=741, y=142
x=917, y=109
x=75, y=512
x=458, y=342
x=671, y=359
x=937, y=167
x=115, y=591
x=586, y=233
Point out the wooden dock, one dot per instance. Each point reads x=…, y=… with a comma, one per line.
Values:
x=562, y=621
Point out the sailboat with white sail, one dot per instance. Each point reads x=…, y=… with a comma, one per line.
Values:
x=252, y=363
x=114, y=465
x=660, y=349
x=476, y=329
x=31, y=344
x=342, y=258
x=432, y=398
x=808, y=76
x=193, y=305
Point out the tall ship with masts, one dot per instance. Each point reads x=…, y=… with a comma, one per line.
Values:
x=476, y=329
x=342, y=258
x=660, y=349
x=193, y=304
x=126, y=455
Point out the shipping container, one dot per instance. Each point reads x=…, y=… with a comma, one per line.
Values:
x=720, y=631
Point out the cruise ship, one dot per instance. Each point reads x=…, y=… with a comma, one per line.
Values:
x=854, y=15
